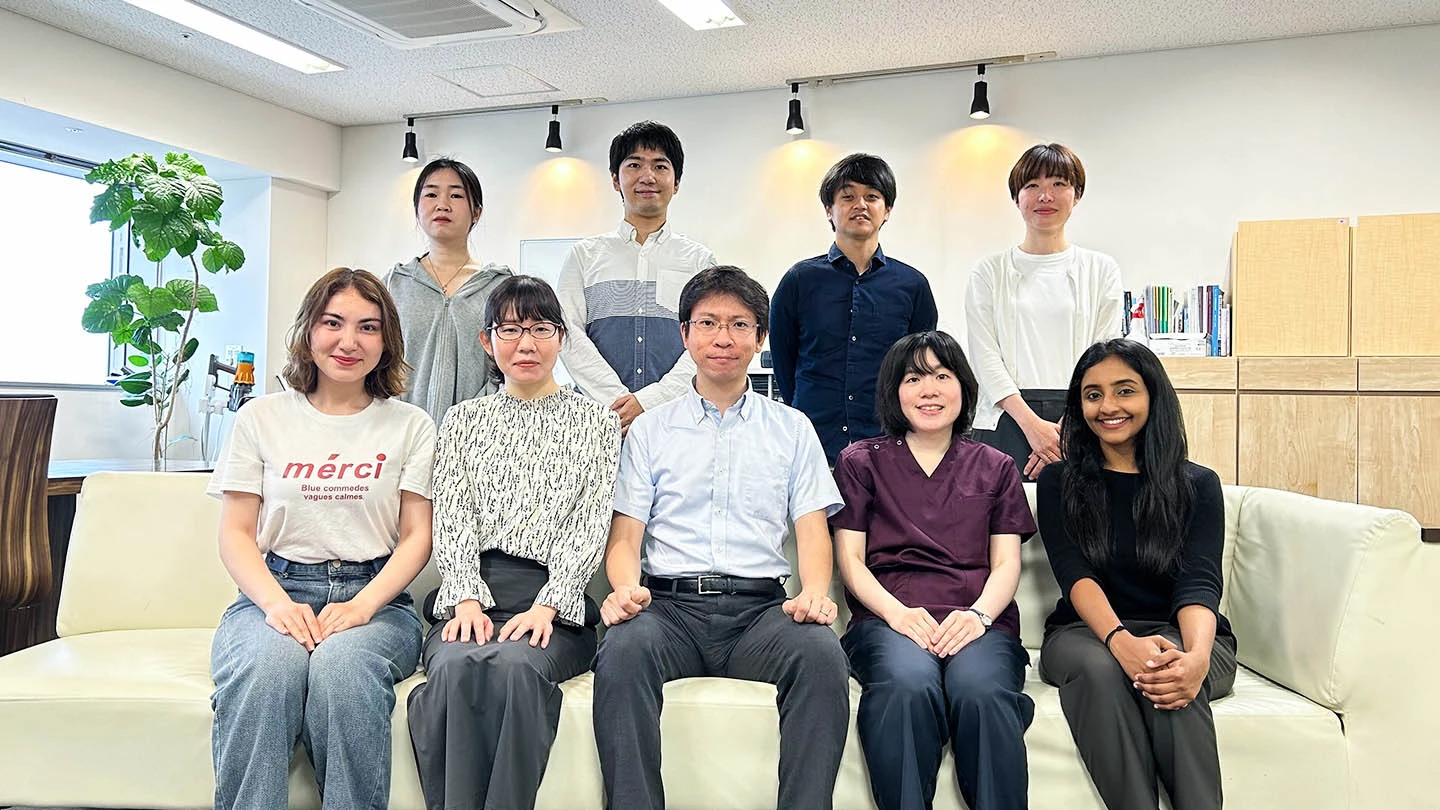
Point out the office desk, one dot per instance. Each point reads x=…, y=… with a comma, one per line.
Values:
x=35, y=623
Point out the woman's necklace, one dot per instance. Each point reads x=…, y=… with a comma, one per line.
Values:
x=445, y=284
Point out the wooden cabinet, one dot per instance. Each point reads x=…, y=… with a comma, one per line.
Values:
x=1206, y=387
x=1292, y=288
x=1399, y=438
x=1299, y=442
x=1396, y=272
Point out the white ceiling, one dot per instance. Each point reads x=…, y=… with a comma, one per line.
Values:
x=630, y=50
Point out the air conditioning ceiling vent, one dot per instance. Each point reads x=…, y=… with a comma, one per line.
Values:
x=421, y=23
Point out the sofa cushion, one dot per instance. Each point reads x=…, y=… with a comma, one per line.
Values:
x=138, y=702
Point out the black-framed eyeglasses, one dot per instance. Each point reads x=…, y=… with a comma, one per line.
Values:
x=709, y=326
x=508, y=332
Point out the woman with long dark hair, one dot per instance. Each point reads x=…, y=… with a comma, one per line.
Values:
x=1134, y=533
x=929, y=549
x=525, y=485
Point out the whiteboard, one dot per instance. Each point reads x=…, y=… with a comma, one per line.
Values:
x=542, y=258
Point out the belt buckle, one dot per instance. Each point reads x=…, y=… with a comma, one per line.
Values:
x=700, y=586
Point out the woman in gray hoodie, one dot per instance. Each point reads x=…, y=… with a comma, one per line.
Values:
x=441, y=295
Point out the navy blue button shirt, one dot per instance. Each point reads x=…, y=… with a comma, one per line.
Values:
x=829, y=328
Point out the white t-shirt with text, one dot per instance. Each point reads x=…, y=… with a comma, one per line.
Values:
x=329, y=485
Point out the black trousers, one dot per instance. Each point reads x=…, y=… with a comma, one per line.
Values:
x=732, y=636
x=1126, y=742
x=484, y=721
x=1007, y=436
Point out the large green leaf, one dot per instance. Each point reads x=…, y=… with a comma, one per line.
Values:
x=121, y=170
x=186, y=352
x=153, y=302
x=105, y=315
x=185, y=163
x=112, y=287
x=203, y=196
x=160, y=231
x=184, y=292
x=138, y=360
x=132, y=402
x=170, y=321
x=165, y=193
x=113, y=206
x=224, y=256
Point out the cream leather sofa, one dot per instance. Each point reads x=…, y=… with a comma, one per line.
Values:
x=1335, y=706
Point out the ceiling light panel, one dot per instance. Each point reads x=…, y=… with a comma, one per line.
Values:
x=703, y=14
x=213, y=24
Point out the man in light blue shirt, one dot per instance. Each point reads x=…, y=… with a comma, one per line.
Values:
x=710, y=485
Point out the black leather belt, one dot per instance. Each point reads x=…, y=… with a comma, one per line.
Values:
x=708, y=585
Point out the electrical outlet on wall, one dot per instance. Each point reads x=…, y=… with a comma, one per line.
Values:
x=232, y=353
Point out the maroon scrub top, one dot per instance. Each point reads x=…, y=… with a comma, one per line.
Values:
x=927, y=538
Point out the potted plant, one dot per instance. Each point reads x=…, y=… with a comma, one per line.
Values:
x=171, y=206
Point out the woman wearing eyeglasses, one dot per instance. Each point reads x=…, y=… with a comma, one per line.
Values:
x=524, y=483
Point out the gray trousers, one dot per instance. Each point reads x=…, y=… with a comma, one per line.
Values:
x=1124, y=740
x=483, y=723
x=735, y=636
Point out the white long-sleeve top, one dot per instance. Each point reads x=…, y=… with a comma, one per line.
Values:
x=995, y=319
x=532, y=478
x=622, y=301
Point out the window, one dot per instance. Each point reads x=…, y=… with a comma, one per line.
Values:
x=49, y=254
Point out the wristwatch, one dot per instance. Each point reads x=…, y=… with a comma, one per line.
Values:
x=984, y=617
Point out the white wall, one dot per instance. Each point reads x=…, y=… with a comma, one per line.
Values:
x=297, y=257
x=56, y=71
x=1179, y=146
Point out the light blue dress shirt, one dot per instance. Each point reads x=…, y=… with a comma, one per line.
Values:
x=718, y=495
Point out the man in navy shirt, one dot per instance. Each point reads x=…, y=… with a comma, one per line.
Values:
x=834, y=316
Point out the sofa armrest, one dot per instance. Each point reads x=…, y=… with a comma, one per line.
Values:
x=143, y=556
x=1339, y=602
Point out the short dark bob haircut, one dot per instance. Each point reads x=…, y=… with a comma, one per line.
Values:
x=861, y=169
x=727, y=279
x=473, y=193
x=1047, y=160
x=907, y=356
x=518, y=299
x=387, y=379
x=647, y=135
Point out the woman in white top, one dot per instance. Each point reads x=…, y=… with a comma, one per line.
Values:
x=441, y=294
x=1032, y=309
x=525, y=486
x=325, y=520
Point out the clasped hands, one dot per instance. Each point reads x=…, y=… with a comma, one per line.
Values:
x=941, y=638
x=1166, y=675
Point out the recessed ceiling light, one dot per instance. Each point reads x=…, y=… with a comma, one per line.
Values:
x=74, y=130
x=237, y=33
x=702, y=14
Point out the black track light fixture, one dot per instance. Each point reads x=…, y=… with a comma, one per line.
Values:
x=411, y=153
x=795, y=124
x=980, y=106
x=552, y=141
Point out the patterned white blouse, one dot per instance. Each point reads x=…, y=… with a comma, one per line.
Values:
x=532, y=478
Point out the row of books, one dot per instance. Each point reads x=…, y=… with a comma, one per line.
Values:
x=1191, y=321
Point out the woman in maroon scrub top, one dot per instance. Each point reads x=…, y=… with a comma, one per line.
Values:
x=929, y=550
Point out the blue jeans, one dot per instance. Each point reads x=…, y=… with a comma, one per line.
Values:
x=269, y=692
x=914, y=702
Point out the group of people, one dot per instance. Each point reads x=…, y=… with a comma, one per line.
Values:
x=902, y=460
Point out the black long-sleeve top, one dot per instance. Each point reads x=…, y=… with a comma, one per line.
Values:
x=1135, y=592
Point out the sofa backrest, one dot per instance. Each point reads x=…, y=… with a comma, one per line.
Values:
x=143, y=555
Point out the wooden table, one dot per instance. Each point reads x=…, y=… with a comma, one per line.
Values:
x=35, y=623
